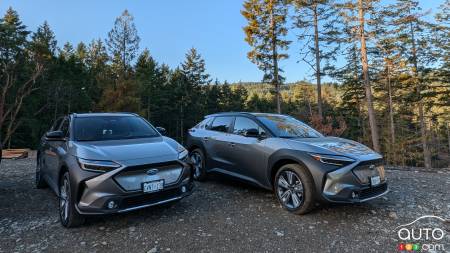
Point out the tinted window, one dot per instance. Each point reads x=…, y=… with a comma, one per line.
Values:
x=112, y=128
x=65, y=127
x=204, y=123
x=56, y=124
x=242, y=124
x=221, y=124
x=288, y=127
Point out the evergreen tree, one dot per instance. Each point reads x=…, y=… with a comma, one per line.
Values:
x=151, y=82
x=265, y=33
x=317, y=21
x=100, y=75
x=413, y=37
x=194, y=69
x=123, y=41
x=355, y=17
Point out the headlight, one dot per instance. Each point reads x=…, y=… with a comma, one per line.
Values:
x=333, y=160
x=182, y=152
x=97, y=166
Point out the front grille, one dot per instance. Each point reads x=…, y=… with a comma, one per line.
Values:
x=366, y=171
x=131, y=178
x=372, y=191
x=150, y=198
x=153, y=165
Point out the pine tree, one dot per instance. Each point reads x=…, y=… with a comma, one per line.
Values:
x=123, y=42
x=355, y=18
x=413, y=38
x=194, y=68
x=317, y=21
x=99, y=71
x=151, y=82
x=213, y=97
x=265, y=33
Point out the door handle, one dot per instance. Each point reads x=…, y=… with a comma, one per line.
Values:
x=232, y=144
x=205, y=138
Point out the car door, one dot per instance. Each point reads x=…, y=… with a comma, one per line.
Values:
x=46, y=154
x=56, y=149
x=216, y=143
x=248, y=153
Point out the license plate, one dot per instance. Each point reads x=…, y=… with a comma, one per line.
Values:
x=375, y=180
x=153, y=186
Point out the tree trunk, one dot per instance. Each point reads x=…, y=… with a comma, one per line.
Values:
x=365, y=67
x=391, y=117
x=448, y=138
x=317, y=51
x=275, y=80
x=423, y=129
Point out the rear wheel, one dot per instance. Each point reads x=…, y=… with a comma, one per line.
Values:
x=68, y=215
x=294, y=188
x=198, y=161
x=39, y=180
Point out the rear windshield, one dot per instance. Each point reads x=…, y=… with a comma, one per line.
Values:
x=112, y=128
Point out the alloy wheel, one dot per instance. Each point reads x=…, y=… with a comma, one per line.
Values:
x=290, y=189
x=198, y=164
x=64, y=200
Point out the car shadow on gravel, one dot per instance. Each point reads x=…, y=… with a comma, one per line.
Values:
x=255, y=191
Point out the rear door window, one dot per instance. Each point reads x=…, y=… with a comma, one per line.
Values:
x=221, y=124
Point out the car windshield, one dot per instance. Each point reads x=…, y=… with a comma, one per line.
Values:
x=112, y=128
x=288, y=127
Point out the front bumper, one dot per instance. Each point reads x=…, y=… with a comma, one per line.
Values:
x=343, y=186
x=116, y=191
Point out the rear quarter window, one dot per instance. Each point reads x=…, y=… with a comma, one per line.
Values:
x=204, y=124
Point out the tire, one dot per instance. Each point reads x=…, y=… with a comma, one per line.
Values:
x=198, y=160
x=68, y=215
x=297, y=180
x=39, y=180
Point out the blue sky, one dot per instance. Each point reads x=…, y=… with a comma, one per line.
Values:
x=168, y=28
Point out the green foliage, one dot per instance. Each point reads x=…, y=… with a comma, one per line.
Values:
x=48, y=82
x=265, y=33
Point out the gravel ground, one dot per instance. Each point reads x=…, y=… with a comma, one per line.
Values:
x=222, y=215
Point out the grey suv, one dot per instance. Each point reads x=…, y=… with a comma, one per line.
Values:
x=101, y=163
x=280, y=153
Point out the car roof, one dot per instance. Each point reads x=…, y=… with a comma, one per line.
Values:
x=103, y=114
x=255, y=114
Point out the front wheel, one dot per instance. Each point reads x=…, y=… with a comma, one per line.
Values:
x=68, y=215
x=294, y=188
x=198, y=161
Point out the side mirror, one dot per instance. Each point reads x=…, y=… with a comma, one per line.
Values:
x=55, y=135
x=162, y=130
x=252, y=132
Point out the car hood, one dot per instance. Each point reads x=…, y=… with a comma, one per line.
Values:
x=157, y=149
x=335, y=146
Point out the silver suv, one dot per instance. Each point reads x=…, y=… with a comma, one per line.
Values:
x=281, y=153
x=101, y=163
